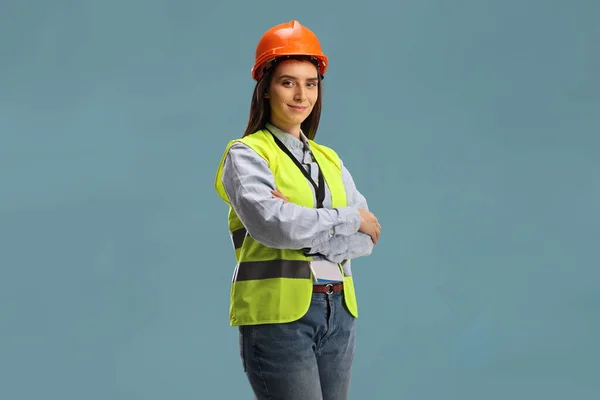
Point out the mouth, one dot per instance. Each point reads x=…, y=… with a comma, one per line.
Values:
x=297, y=108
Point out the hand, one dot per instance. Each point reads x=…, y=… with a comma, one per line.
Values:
x=369, y=224
x=277, y=194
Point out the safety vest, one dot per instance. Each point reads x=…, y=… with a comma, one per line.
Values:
x=276, y=285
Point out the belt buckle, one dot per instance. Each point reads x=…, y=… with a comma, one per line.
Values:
x=329, y=287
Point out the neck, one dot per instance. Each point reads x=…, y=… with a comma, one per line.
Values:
x=293, y=130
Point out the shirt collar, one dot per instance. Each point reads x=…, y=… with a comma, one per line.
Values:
x=290, y=141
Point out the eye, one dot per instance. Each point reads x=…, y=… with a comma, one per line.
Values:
x=287, y=83
x=312, y=84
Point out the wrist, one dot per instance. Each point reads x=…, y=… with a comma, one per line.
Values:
x=354, y=219
x=350, y=220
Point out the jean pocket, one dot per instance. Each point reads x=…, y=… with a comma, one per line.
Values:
x=241, y=345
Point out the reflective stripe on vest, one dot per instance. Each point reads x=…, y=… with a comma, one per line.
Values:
x=252, y=270
x=298, y=269
x=237, y=237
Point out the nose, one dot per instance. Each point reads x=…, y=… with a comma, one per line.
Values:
x=300, y=94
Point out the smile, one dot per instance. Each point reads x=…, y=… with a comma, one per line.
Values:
x=297, y=108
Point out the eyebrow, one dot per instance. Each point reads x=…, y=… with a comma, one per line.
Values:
x=295, y=78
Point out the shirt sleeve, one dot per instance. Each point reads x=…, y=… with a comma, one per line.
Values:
x=338, y=247
x=248, y=182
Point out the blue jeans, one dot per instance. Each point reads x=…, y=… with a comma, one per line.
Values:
x=308, y=359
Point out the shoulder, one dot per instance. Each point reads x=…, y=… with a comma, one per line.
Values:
x=253, y=145
x=241, y=156
x=320, y=146
x=327, y=151
x=260, y=143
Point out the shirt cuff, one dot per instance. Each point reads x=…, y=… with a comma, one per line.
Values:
x=349, y=219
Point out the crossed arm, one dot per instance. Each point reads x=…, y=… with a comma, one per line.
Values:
x=274, y=222
x=342, y=247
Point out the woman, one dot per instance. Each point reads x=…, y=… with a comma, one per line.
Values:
x=296, y=220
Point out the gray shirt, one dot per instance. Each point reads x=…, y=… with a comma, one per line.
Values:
x=332, y=233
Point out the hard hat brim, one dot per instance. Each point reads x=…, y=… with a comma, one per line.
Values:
x=265, y=61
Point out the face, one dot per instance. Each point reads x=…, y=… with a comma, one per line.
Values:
x=292, y=94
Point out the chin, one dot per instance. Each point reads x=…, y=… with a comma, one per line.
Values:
x=299, y=118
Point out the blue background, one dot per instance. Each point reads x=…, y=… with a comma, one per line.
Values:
x=472, y=127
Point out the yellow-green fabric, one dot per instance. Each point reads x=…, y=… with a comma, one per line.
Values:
x=275, y=285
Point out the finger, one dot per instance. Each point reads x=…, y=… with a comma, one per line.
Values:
x=278, y=195
x=375, y=237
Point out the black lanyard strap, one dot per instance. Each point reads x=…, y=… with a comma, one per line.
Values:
x=319, y=190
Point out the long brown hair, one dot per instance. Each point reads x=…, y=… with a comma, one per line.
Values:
x=260, y=109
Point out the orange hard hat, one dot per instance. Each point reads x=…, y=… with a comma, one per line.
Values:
x=287, y=39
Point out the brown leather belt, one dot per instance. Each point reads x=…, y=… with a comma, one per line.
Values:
x=328, y=288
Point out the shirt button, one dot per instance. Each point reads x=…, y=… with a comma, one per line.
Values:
x=331, y=232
